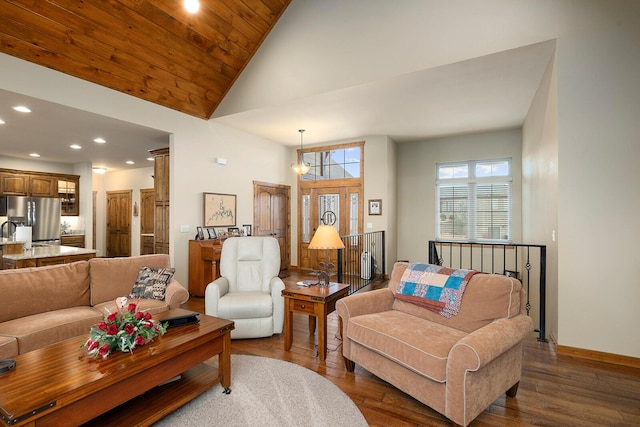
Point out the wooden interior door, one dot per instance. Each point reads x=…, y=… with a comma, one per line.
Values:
x=119, y=223
x=147, y=210
x=272, y=216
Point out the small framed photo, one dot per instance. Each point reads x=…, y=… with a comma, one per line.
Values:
x=211, y=232
x=233, y=231
x=199, y=233
x=375, y=206
x=247, y=229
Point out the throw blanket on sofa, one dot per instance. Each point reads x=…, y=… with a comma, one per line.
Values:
x=434, y=287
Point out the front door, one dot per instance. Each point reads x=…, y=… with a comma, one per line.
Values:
x=339, y=206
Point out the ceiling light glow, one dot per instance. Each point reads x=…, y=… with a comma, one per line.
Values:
x=100, y=140
x=192, y=6
x=99, y=170
x=151, y=159
x=34, y=154
x=2, y=122
x=130, y=162
x=75, y=146
x=22, y=109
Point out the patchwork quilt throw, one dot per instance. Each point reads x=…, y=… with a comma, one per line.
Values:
x=434, y=287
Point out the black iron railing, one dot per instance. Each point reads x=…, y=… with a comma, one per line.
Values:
x=362, y=260
x=526, y=262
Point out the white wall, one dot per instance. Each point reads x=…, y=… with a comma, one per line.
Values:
x=598, y=199
x=417, y=176
x=540, y=184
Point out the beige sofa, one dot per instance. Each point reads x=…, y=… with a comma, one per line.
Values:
x=457, y=366
x=44, y=305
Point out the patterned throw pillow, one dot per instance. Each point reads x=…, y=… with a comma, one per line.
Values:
x=151, y=283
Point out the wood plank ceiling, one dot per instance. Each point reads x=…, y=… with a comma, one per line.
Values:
x=151, y=49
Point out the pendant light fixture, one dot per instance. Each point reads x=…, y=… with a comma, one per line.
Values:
x=302, y=167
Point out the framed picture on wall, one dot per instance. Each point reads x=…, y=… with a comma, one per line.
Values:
x=219, y=210
x=375, y=206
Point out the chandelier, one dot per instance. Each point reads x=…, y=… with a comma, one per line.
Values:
x=302, y=167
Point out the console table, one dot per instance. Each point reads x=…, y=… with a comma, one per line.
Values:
x=204, y=264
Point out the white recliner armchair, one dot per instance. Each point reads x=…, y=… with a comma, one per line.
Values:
x=249, y=291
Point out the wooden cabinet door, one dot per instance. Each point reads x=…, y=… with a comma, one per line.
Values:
x=12, y=184
x=43, y=186
x=271, y=216
x=69, y=191
x=147, y=202
x=161, y=187
x=119, y=223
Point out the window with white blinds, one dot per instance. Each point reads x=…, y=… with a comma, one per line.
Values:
x=474, y=200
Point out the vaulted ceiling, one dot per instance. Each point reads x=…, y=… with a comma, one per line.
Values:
x=151, y=49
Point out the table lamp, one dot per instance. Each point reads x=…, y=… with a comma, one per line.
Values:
x=326, y=237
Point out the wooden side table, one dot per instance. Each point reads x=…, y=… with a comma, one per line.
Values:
x=317, y=302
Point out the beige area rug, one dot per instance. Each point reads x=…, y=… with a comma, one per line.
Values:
x=269, y=392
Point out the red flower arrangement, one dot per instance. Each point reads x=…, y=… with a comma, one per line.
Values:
x=123, y=330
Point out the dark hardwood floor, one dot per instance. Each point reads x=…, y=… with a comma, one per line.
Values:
x=555, y=390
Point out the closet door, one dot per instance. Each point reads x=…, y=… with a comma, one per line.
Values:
x=272, y=216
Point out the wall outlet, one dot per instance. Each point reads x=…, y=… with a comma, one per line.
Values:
x=369, y=225
x=184, y=228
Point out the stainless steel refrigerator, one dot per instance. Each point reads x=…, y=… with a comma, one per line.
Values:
x=42, y=214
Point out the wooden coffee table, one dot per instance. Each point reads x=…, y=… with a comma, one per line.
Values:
x=61, y=385
x=317, y=302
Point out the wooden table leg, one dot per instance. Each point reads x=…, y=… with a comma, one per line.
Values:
x=322, y=331
x=288, y=324
x=312, y=325
x=224, y=361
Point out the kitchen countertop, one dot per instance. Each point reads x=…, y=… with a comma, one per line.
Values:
x=49, y=251
x=7, y=241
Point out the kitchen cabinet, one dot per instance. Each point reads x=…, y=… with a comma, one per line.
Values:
x=75, y=240
x=161, y=191
x=41, y=262
x=67, y=190
x=25, y=184
x=146, y=245
x=14, y=184
x=43, y=184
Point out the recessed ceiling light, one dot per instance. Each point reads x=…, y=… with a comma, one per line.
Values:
x=2, y=122
x=130, y=162
x=22, y=109
x=75, y=146
x=99, y=170
x=100, y=140
x=34, y=155
x=192, y=6
x=151, y=159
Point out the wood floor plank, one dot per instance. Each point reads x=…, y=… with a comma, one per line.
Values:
x=555, y=390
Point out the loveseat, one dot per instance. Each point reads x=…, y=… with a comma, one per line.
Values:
x=44, y=305
x=457, y=365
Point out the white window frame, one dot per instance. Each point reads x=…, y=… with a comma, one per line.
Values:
x=499, y=220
